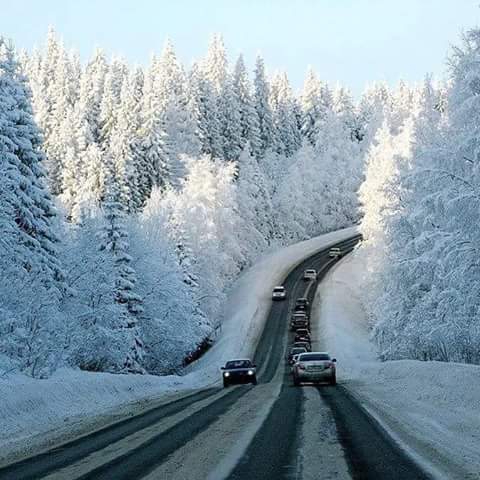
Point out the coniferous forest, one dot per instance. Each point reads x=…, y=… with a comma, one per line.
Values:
x=132, y=197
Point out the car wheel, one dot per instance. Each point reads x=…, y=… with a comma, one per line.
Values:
x=254, y=381
x=333, y=380
x=225, y=384
x=296, y=381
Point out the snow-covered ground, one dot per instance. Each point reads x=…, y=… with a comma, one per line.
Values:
x=38, y=413
x=431, y=408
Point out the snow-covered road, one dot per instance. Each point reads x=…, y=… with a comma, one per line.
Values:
x=275, y=430
x=211, y=432
x=36, y=415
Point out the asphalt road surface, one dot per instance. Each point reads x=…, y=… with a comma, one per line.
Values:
x=271, y=431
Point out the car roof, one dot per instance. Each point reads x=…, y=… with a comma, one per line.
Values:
x=239, y=360
x=318, y=353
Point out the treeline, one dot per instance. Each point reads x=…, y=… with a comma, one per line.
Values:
x=421, y=203
x=131, y=198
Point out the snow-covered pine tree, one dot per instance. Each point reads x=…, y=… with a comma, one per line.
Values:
x=124, y=326
x=154, y=145
x=287, y=138
x=203, y=102
x=29, y=323
x=264, y=112
x=249, y=127
x=229, y=106
x=92, y=86
x=34, y=209
x=124, y=153
x=114, y=79
x=171, y=88
x=310, y=106
x=254, y=206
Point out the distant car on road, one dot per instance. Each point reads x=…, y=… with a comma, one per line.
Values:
x=305, y=345
x=314, y=367
x=303, y=301
x=301, y=309
x=335, y=252
x=302, y=335
x=239, y=371
x=310, y=274
x=295, y=351
x=298, y=320
x=279, y=293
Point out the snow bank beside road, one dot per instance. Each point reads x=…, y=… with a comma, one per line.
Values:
x=431, y=408
x=36, y=413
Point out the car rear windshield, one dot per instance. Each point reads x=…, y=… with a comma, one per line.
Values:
x=309, y=271
x=296, y=351
x=312, y=357
x=238, y=364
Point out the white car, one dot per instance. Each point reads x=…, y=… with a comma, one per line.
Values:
x=314, y=367
x=279, y=293
x=310, y=274
x=335, y=252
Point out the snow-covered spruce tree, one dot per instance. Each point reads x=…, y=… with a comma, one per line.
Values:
x=204, y=111
x=264, y=111
x=92, y=86
x=34, y=210
x=254, y=206
x=123, y=343
x=344, y=107
x=287, y=138
x=110, y=100
x=229, y=106
x=249, y=127
x=28, y=253
x=124, y=153
x=215, y=64
x=372, y=111
x=90, y=193
x=153, y=138
x=170, y=85
x=310, y=106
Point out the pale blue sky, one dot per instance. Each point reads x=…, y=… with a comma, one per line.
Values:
x=351, y=41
